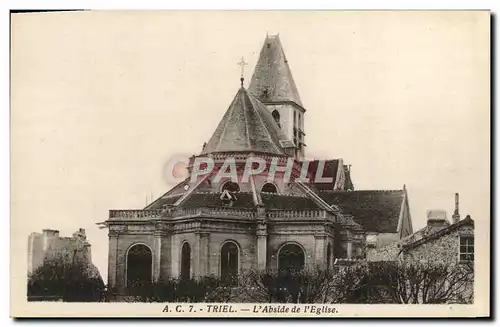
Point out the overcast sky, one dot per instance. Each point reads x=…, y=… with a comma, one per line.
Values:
x=102, y=100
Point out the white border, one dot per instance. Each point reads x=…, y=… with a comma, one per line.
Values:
x=190, y=4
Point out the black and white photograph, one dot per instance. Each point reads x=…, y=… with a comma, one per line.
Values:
x=250, y=163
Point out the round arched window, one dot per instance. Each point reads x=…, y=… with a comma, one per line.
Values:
x=276, y=116
x=269, y=188
x=231, y=187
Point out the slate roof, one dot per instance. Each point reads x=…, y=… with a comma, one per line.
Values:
x=247, y=126
x=329, y=171
x=272, y=80
x=212, y=199
x=245, y=200
x=162, y=201
x=376, y=211
x=287, y=202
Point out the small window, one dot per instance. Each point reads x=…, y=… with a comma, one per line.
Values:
x=276, y=116
x=466, y=248
x=231, y=187
x=269, y=188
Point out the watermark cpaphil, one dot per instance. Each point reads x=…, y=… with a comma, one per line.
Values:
x=240, y=171
x=175, y=169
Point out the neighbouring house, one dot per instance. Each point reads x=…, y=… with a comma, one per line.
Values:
x=439, y=242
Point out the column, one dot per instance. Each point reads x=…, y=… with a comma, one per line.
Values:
x=349, y=248
x=349, y=239
x=261, y=246
x=112, y=258
x=195, y=254
x=157, y=256
x=204, y=254
x=320, y=246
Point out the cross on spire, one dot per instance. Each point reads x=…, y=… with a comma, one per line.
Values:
x=242, y=63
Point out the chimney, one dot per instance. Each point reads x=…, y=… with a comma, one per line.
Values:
x=437, y=219
x=456, y=214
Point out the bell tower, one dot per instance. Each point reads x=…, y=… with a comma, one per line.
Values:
x=272, y=83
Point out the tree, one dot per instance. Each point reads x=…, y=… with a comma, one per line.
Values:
x=69, y=280
x=304, y=286
x=349, y=284
x=203, y=289
x=410, y=282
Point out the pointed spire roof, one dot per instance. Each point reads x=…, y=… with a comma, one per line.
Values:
x=272, y=79
x=247, y=126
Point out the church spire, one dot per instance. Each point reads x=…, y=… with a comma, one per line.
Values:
x=272, y=83
x=272, y=80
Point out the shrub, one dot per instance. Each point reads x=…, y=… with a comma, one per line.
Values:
x=70, y=281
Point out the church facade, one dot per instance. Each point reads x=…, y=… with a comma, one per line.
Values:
x=220, y=223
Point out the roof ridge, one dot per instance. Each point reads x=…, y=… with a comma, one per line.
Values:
x=218, y=192
x=290, y=195
x=167, y=194
x=361, y=191
x=247, y=126
x=440, y=232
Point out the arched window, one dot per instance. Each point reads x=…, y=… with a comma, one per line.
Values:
x=231, y=187
x=186, y=261
x=276, y=116
x=229, y=257
x=269, y=188
x=329, y=256
x=291, y=257
x=139, y=267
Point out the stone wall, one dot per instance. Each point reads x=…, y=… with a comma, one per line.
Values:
x=119, y=255
x=442, y=249
x=49, y=245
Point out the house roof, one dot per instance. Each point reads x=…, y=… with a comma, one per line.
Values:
x=272, y=79
x=376, y=211
x=247, y=126
x=414, y=240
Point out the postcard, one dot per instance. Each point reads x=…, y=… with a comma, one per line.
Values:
x=250, y=164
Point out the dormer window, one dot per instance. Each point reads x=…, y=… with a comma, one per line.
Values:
x=231, y=187
x=227, y=198
x=269, y=188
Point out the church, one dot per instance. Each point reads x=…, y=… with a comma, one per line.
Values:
x=213, y=225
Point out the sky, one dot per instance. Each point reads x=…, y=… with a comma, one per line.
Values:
x=101, y=101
